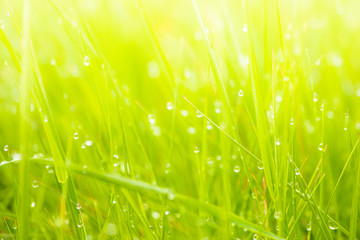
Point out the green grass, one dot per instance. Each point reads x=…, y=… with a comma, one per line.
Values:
x=190, y=119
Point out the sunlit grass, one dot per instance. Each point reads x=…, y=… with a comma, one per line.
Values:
x=189, y=119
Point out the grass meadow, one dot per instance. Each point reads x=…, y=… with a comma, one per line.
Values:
x=179, y=119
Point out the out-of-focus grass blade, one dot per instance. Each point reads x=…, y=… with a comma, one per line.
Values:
x=140, y=186
x=13, y=53
x=23, y=203
x=341, y=175
x=355, y=200
x=49, y=125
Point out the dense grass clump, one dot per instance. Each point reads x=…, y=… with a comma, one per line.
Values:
x=189, y=119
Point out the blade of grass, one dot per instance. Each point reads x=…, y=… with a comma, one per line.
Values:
x=140, y=186
x=23, y=204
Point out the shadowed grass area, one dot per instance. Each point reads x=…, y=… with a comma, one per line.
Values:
x=193, y=119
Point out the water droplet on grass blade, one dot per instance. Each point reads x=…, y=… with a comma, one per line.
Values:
x=80, y=224
x=321, y=147
x=332, y=225
x=245, y=28
x=184, y=113
x=330, y=114
x=191, y=130
x=240, y=93
x=151, y=119
x=6, y=148
x=315, y=97
x=155, y=215
x=76, y=135
x=86, y=61
x=49, y=169
x=78, y=206
x=347, y=115
x=308, y=226
x=292, y=121
x=196, y=149
x=153, y=69
x=237, y=168
x=171, y=195
x=169, y=106
x=35, y=184
x=199, y=114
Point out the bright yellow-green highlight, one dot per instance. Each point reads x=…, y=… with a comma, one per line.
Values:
x=192, y=119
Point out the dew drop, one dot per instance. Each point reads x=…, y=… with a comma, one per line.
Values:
x=169, y=106
x=237, y=168
x=241, y=93
x=153, y=69
x=49, y=169
x=76, y=135
x=78, y=206
x=35, y=184
x=196, y=149
x=332, y=225
x=277, y=142
x=278, y=98
x=321, y=147
x=297, y=172
x=151, y=119
x=80, y=224
x=315, y=97
x=184, y=113
x=330, y=114
x=6, y=148
x=260, y=166
x=245, y=28
x=155, y=215
x=171, y=195
x=33, y=204
x=199, y=114
x=86, y=61
x=88, y=143
x=277, y=215
x=308, y=226
x=292, y=121
x=322, y=107
x=191, y=130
